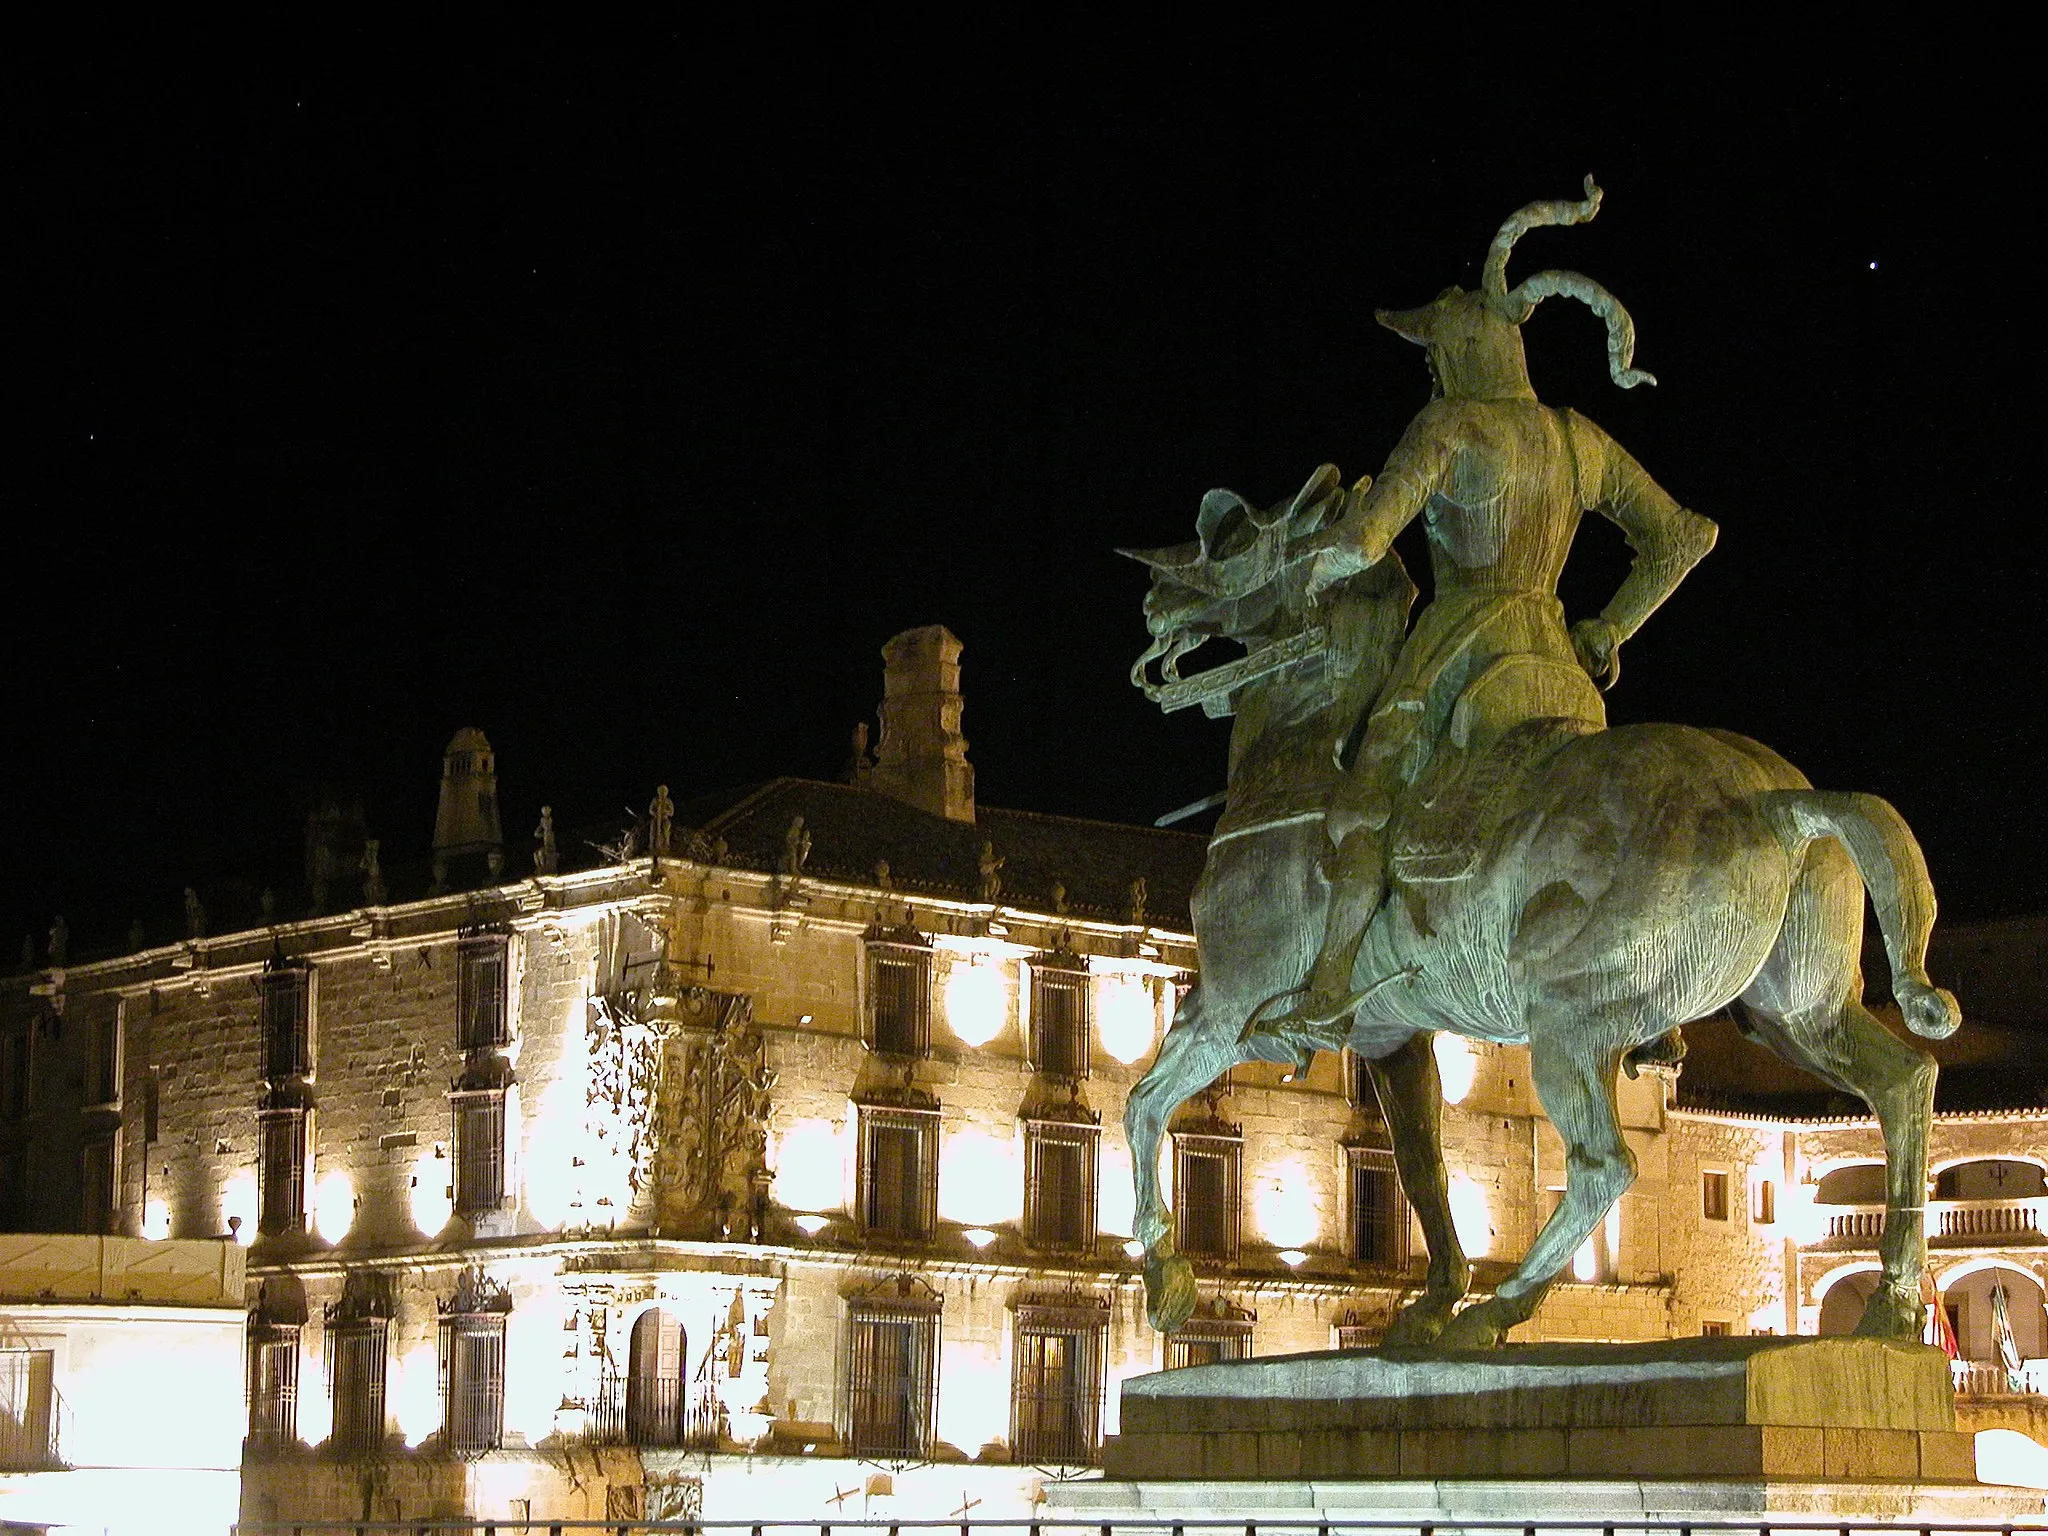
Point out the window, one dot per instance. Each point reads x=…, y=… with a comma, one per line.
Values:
x=479, y=1151
x=1214, y=1334
x=17, y=1058
x=287, y=1041
x=892, y=1386
x=1059, y=1185
x=103, y=1059
x=28, y=1429
x=655, y=1380
x=1059, y=1018
x=356, y=1352
x=281, y=1171
x=1714, y=1195
x=1763, y=1203
x=1379, y=1211
x=1205, y=1184
x=14, y=1190
x=100, y=1164
x=899, y=1171
x=1359, y=1092
x=1354, y=1332
x=472, y=1381
x=482, y=1019
x=900, y=999
x=1713, y=1328
x=273, y=1384
x=1056, y=1389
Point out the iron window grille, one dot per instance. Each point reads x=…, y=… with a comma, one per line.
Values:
x=479, y=1150
x=472, y=1381
x=1058, y=1038
x=287, y=1036
x=1206, y=1178
x=1359, y=1092
x=899, y=1011
x=899, y=1171
x=357, y=1349
x=892, y=1376
x=273, y=1384
x=1379, y=1211
x=1060, y=1174
x=1056, y=1388
x=281, y=1171
x=1211, y=1336
x=483, y=1017
x=100, y=1161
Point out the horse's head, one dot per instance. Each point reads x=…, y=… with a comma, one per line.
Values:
x=1241, y=574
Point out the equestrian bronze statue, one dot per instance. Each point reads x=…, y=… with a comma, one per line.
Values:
x=1433, y=828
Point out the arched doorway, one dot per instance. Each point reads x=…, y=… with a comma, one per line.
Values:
x=1991, y=1339
x=1841, y=1308
x=654, y=1380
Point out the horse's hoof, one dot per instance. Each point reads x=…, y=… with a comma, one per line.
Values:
x=1480, y=1326
x=1421, y=1322
x=1891, y=1314
x=1169, y=1292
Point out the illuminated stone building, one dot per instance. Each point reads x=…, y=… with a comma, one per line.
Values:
x=774, y=1163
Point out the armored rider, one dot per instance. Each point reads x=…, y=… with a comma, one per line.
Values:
x=1501, y=481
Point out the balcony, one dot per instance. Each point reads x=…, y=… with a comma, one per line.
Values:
x=1987, y=1378
x=654, y=1411
x=1958, y=1223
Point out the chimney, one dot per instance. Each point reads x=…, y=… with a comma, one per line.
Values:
x=922, y=759
x=467, y=821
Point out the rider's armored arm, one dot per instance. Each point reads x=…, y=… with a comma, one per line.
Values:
x=1667, y=539
x=1375, y=514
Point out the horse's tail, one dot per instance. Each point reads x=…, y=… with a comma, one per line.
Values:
x=1894, y=872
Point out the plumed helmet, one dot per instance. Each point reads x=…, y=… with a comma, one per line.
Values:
x=1474, y=339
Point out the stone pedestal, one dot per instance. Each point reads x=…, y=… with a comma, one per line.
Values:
x=1682, y=1427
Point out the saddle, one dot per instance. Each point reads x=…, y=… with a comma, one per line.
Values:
x=1507, y=721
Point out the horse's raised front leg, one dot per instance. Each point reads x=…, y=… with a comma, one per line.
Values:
x=1196, y=1051
x=1574, y=1072
x=1411, y=1099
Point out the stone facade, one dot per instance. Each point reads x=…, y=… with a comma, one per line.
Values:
x=702, y=1180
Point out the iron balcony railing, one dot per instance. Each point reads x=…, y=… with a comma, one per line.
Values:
x=653, y=1411
x=1579, y=1525
x=1958, y=1220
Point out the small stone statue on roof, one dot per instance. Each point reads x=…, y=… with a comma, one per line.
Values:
x=60, y=942
x=661, y=821
x=546, y=857
x=1059, y=898
x=268, y=901
x=884, y=880
x=860, y=767
x=991, y=872
x=136, y=937
x=796, y=847
x=195, y=915
x=373, y=874
x=1139, y=893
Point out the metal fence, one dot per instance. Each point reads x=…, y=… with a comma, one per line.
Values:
x=1143, y=1526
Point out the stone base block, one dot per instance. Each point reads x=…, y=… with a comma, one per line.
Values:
x=1542, y=1501
x=1848, y=1410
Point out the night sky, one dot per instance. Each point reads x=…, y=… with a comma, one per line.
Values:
x=624, y=406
